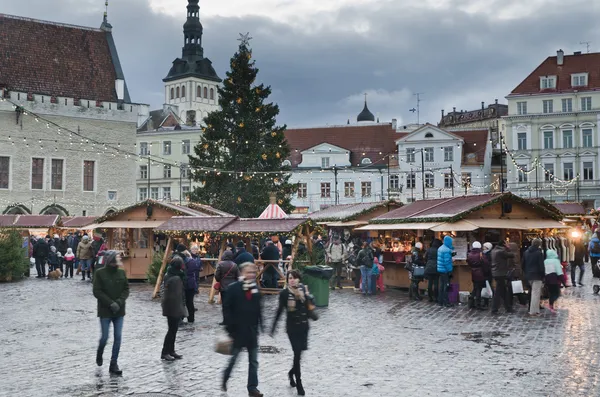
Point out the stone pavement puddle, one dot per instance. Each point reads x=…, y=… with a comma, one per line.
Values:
x=488, y=338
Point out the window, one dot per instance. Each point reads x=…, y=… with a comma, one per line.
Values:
x=547, y=83
x=144, y=149
x=449, y=153
x=549, y=172
x=429, y=180
x=567, y=139
x=365, y=188
x=324, y=162
x=172, y=93
x=166, y=193
x=567, y=171
x=522, y=171
x=410, y=155
x=205, y=92
x=37, y=173
x=88, y=176
x=567, y=105
x=394, y=182
x=112, y=195
x=548, y=139
x=212, y=93
x=4, y=172
x=466, y=178
x=522, y=140
x=142, y=193
x=521, y=107
x=586, y=103
x=302, y=190
x=579, y=80
x=143, y=172
x=429, y=135
x=183, y=91
x=166, y=171
x=325, y=189
x=185, y=146
x=154, y=193
x=57, y=174
x=348, y=189
x=167, y=147
x=185, y=191
x=588, y=171
x=411, y=181
x=448, y=181
x=586, y=134
x=177, y=93
x=429, y=154
x=199, y=92
x=548, y=105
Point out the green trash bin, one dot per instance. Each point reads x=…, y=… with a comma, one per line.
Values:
x=317, y=280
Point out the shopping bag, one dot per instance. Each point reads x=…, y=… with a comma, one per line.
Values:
x=517, y=287
x=486, y=293
x=224, y=346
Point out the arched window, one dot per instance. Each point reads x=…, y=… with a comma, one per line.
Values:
x=183, y=91
x=366, y=161
x=172, y=93
x=177, y=93
x=205, y=92
x=199, y=92
x=429, y=135
x=212, y=93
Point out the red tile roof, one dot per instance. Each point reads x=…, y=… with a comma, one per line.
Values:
x=475, y=143
x=52, y=59
x=572, y=64
x=36, y=221
x=7, y=220
x=368, y=139
x=571, y=208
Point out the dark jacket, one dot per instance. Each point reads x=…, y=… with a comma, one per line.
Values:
x=96, y=244
x=62, y=247
x=286, y=251
x=514, y=264
x=53, y=258
x=365, y=257
x=500, y=257
x=41, y=249
x=172, y=302
x=580, y=253
x=477, y=261
x=270, y=253
x=431, y=257
x=227, y=271
x=242, y=316
x=193, y=267
x=110, y=285
x=74, y=244
x=533, y=264
x=243, y=256
x=296, y=324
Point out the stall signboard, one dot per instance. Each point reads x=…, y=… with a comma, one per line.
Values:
x=461, y=246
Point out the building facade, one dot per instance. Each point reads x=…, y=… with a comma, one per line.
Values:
x=552, y=130
x=68, y=123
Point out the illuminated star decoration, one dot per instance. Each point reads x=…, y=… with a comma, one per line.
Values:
x=245, y=39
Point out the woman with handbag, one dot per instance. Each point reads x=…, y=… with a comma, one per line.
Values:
x=297, y=302
x=226, y=274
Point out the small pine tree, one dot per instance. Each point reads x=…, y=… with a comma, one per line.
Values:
x=13, y=262
x=243, y=139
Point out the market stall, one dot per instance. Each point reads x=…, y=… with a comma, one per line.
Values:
x=72, y=224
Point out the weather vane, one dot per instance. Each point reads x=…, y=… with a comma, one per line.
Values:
x=245, y=39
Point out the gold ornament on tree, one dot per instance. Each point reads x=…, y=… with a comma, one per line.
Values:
x=239, y=199
x=274, y=134
x=258, y=109
x=258, y=91
x=239, y=100
x=277, y=155
x=280, y=202
x=242, y=124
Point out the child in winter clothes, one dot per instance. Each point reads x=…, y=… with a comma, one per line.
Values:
x=380, y=285
x=53, y=259
x=554, y=277
x=374, y=275
x=69, y=260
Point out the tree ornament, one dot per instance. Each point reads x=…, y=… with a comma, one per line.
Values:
x=280, y=202
x=242, y=124
x=239, y=199
x=206, y=146
x=258, y=91
x=264, y=156
x=277, y=155
x=274, y=134
x=239, y=100
x=258, y=109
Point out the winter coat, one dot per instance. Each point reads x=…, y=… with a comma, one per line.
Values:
x=594, y=243
x=365, y=257
x=286, y=251
x=62, y=247
x=270, y=253
x=53, y=258
x=110, y=285
x=431, y=258
x=96, y=244
x=172, y=301
x=444, y=257
x=74, y=244
x=477, y=261
x=500, y=257
x=417, y=257
x=243, y=256
x=41, y=249
x=533, y=264
x=580, y=253
x=193, y=267
x=514, y=264
x=242, y=316
x=227, y=271
x=553, y=268
x=296, y=324
x=336, y=253
x=84, y=250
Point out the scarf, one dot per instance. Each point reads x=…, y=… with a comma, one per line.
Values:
x=249, y=286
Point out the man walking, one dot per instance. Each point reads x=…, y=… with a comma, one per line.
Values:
x=242, y=310
x=365, y=261
x=533, y=268
x=40, y=253
x=500, y=267
x=270, y=275
x=335, y=258
x=111, y=288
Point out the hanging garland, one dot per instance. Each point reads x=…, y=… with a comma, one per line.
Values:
x=356, y=215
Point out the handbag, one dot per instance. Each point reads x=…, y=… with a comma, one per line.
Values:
x=217, y=285
x=486, y=292
x=310, y=305
x=224, y=346
x=418, y=271
x=517, y=287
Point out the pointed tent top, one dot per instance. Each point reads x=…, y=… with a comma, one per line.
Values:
x=366, y=114
x=105, y=25
x=273, y=211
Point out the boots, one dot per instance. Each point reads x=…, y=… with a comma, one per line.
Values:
x=83, y=275
x=99, y=356
x=299, y=388
x=114, y=368
x=292, y=380
x=88, y=275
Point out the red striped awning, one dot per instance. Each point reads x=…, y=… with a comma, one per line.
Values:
x=273, y=211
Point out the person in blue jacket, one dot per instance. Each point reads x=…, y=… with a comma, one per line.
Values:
x=444, y=268
x=594, y=252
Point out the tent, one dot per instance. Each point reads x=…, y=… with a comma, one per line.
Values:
x=273, y=211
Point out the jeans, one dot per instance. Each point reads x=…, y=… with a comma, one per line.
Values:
x=553, y=293
x=573, y=271
x=85, y=264
x=189, y=302
x=169, y=343
x=432, y=287
x=366, y=279
x=536, y=293
x=40, y=266
x=444, y=280
x=374, y=284
x=503, y=293
x=252, y=367
x=117, y=330
x=336, y=280
x=477, y=287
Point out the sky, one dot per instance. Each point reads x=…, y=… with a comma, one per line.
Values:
x=321, y=56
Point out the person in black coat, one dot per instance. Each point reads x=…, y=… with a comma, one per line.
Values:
x=243, y=319
x=242, y=255
x=62, y=246
x=534, y=271
x=294, y=300
x=578, y=262
x=40, y=252
x=172, y=307
x=227, y=273
x=270, y=275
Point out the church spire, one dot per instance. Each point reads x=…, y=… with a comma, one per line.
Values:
x=107, y=27
x=192, y=32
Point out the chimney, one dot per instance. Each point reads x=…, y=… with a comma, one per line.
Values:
x=272, y=198
x=496, y=101
x=454, y=109
x=442, y=113
x=560, y=57
x=482, y=105
x=394, y=124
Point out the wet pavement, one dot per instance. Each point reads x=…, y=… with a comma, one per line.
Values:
x=378, y=346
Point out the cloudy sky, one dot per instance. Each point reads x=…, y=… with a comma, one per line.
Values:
x=321, y=56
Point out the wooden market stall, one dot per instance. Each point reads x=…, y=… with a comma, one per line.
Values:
x=73, y=224
x=31, y=225
x=483, y=218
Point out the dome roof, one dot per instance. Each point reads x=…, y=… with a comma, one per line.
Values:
x=365, y=115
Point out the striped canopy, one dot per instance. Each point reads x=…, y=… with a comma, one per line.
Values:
x=273, y=211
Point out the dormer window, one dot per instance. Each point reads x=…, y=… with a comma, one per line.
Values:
x=579, y=79
x=547, y=82
x=286, y=163
x=429, y=135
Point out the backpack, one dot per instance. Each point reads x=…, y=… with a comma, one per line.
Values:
x=367, y=259
x=595, y=247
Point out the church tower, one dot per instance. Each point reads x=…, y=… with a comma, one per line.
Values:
x=192, y=82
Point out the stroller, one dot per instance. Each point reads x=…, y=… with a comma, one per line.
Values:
x=416, y=274
x=596, y=275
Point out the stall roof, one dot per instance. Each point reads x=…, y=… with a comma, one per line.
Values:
x=7, y=220
x=262, y=225
x=229, y=225
x=128, y=224
x=177, y=209
x=35, y=221
x=204, y=209
x=76, y=222
x=519, y=224
x=193, y=223
x=460, y=226
x=400, y=226
x=348, y=212
x=571, y=209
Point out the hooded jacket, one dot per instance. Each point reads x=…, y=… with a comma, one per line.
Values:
x=500, y=256
x=227, y=271
x=553, y=268
x=478, y=263
x=84, y=250
x=243, y=256
x=533, y=264
x=431, y=257
x=444, y=256
x=594, y=244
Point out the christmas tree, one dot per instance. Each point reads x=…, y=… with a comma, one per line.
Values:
x=240, y=154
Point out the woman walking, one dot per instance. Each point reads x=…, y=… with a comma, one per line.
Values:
x=227, y=273
x=193, y=267
x=173, y=307
x=294, y=300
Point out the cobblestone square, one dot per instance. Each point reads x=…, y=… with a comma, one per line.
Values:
x=378, y=346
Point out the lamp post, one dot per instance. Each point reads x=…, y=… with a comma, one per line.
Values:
x=148, y=176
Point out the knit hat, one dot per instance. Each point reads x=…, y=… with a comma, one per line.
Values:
x=181, y=248
x=110, y=257
x=288, y=242
x=419, y=245
x=241, y=244
x=56, y=236
x=85, y=238
x=476, y=245
x=487, y=247
x=52, y=248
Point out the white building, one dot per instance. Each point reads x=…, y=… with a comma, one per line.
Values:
x=68, y=124
x=442, y=163
x=552, y=130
